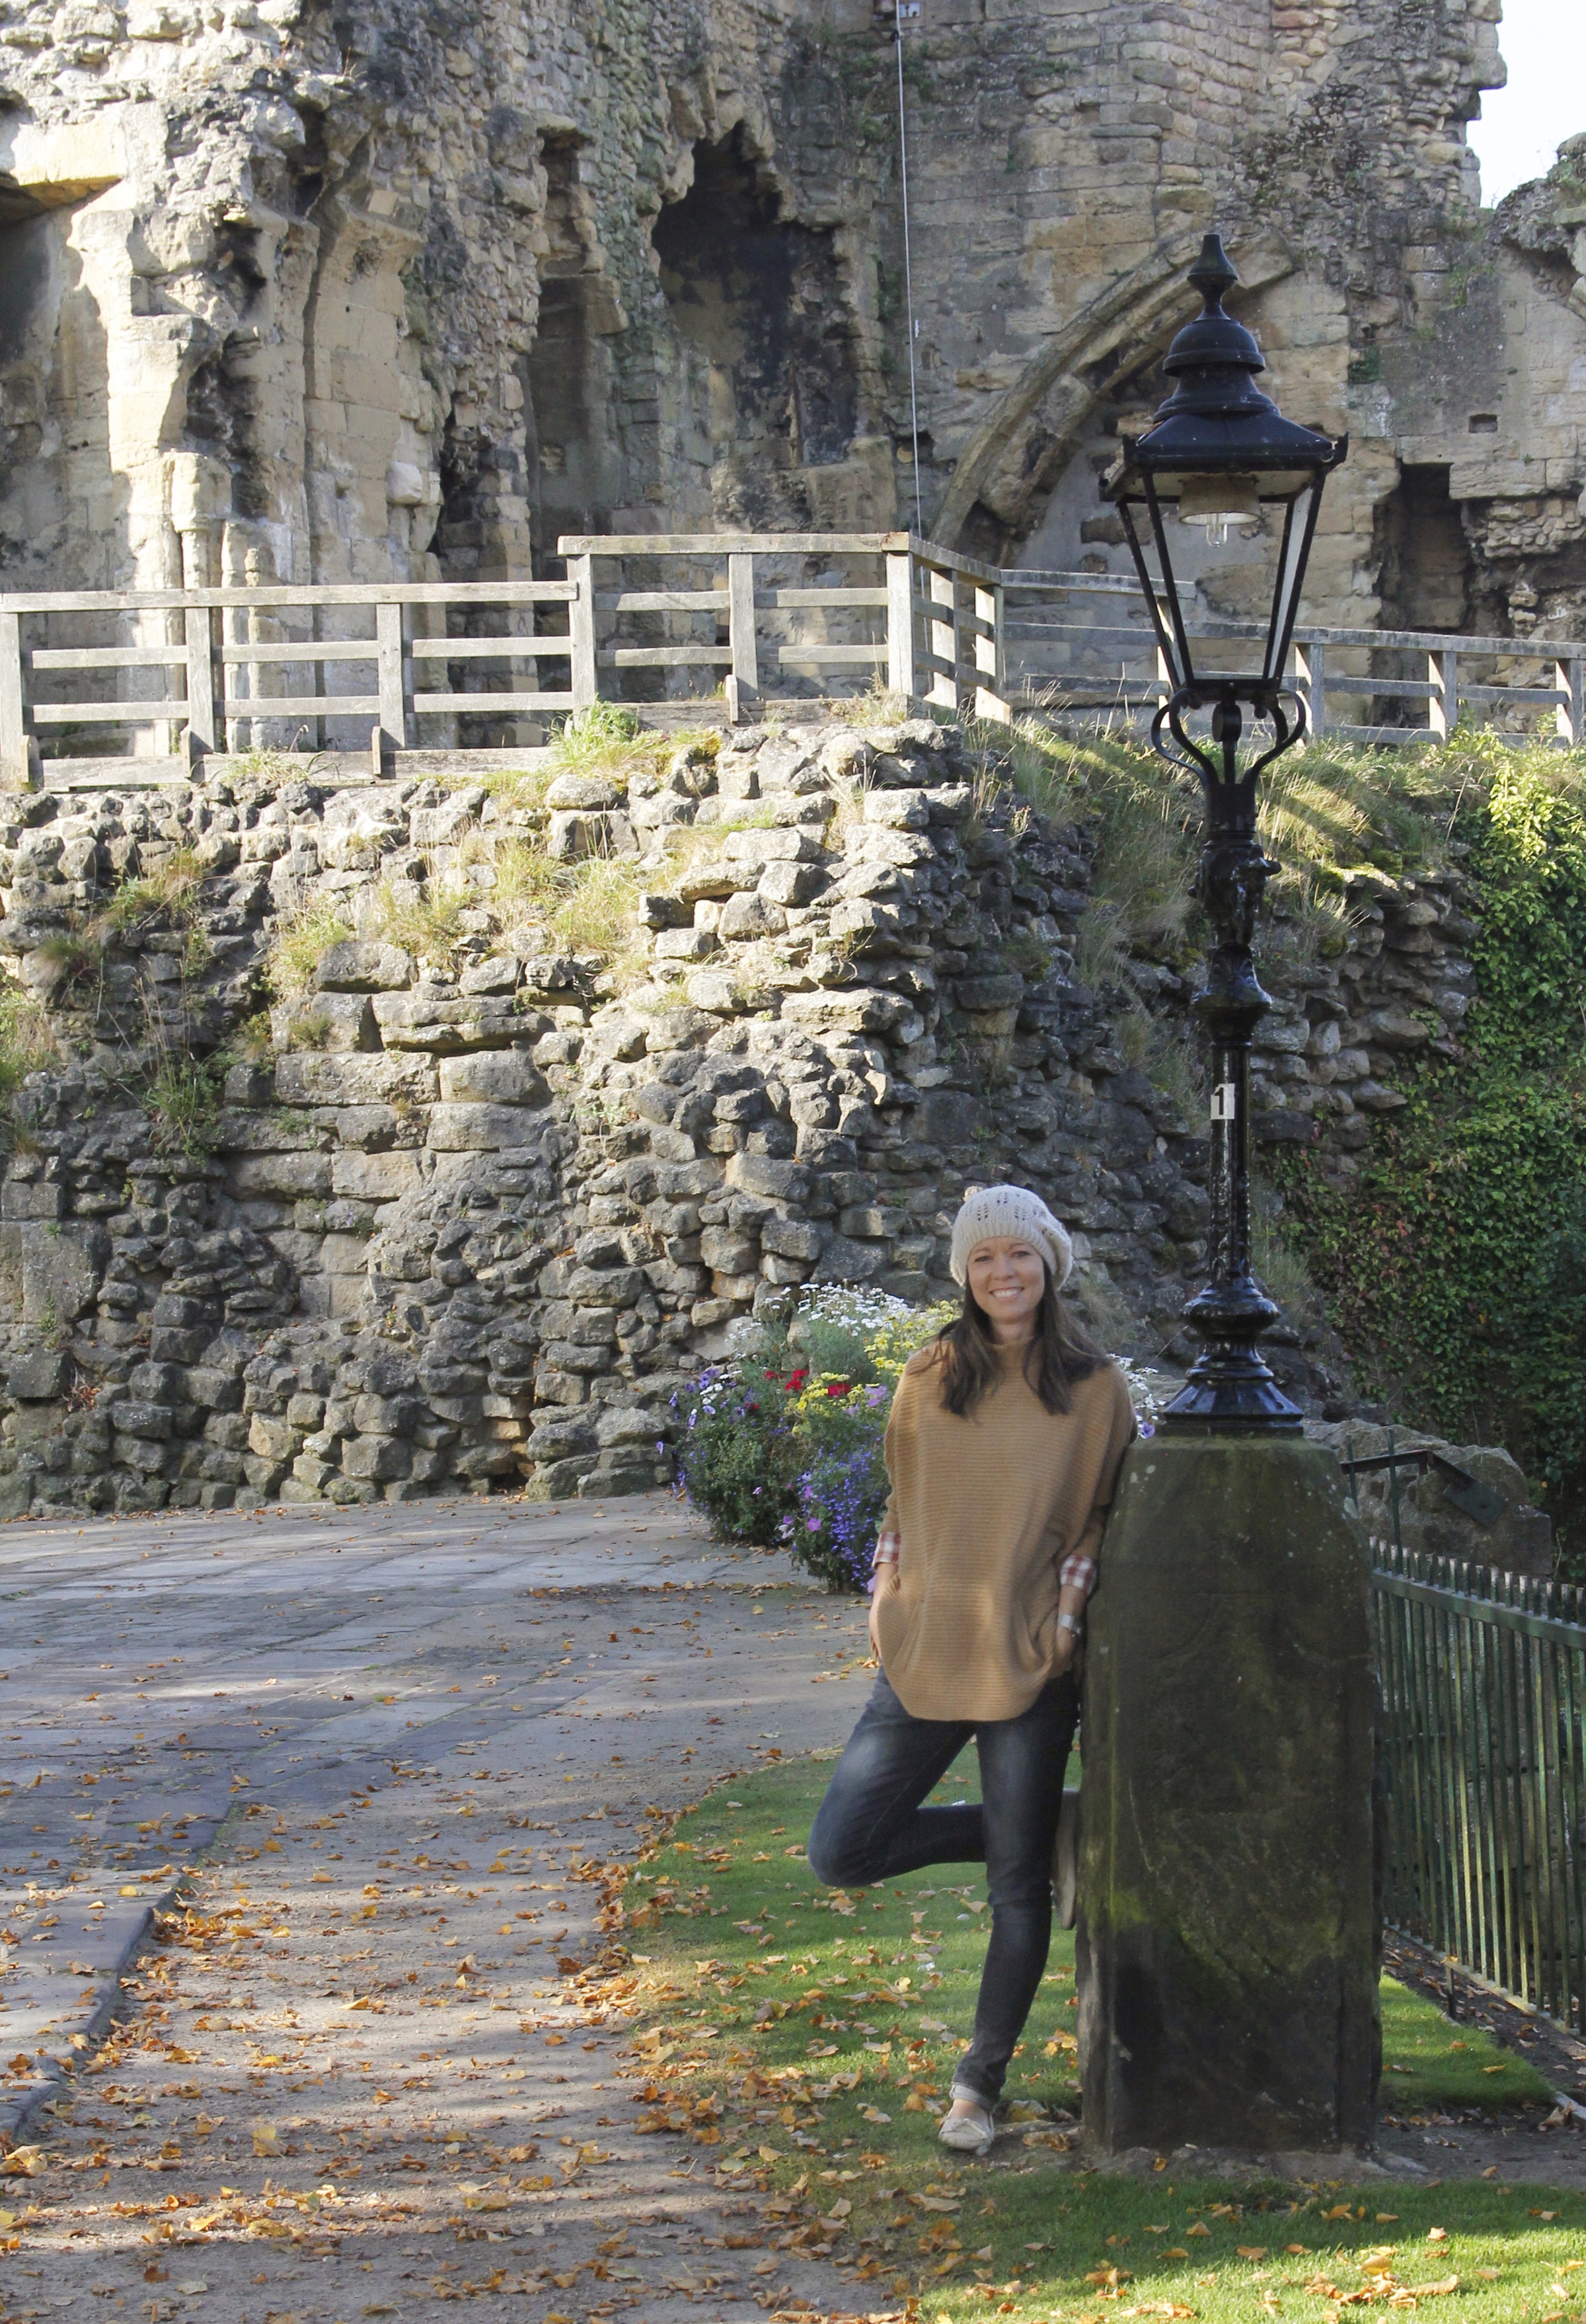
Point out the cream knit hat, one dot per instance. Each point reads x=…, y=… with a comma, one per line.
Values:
x=990, y=1211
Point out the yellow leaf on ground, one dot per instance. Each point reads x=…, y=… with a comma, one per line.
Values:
x=266, y=2138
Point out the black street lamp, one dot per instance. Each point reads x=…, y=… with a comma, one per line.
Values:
x=1220, y=451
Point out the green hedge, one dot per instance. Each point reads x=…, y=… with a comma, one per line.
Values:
x=1457, y=1270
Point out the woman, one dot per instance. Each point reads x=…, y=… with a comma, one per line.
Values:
x=1003, y=1447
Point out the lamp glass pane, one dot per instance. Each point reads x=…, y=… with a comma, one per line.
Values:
x=1298, y=523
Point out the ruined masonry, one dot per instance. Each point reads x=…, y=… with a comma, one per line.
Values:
x=468, y=1222
x=301, y=294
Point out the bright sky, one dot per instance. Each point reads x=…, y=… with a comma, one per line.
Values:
x=1543, y=44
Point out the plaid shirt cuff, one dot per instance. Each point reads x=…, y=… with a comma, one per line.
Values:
x=887, y=1548
x=1077, y=1573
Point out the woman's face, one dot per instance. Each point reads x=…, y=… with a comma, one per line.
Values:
x=1007, y=1276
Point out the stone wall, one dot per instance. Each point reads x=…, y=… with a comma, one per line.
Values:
x=470, y=1214
x=309, y=295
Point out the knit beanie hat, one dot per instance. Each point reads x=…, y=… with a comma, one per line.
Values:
x=1011, y=1211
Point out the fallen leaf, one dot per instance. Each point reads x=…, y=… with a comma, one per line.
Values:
x=266, y=2138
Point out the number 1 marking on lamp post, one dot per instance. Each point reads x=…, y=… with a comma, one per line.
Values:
x=1223, y=1101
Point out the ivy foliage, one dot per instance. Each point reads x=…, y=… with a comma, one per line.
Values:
x=1456, y=1268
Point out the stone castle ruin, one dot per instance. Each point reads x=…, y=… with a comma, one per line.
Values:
x=296, y=293
x=292, y=295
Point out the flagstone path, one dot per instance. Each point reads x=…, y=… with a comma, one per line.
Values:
x=369, y=1767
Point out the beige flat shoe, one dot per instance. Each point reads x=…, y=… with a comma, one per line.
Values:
x=969, y=2134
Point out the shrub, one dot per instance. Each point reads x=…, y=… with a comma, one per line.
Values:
x=841, y=1488
x=792, y=1457
x=734, y=1450
x=1457, y=1270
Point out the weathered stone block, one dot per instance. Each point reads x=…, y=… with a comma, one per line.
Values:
x=385, y=1416
x=584, y=791
x=784, y=844
x=424, y=1020
x=485, y=1128
x=363, y=968
x=271, y=1439
x=372, y=1458
x=843, y=1261
x=791, y=883
x=759, y=1174
x=304, y=1079
x=855, y=1009
x=325, y=1021
x=151, y=1421
x=493, y=1077
x=686, y=944
x=36, y=1375
x=61, y=1268
x=376, y=1178
x=793, y=1238
x=898, y=810
x=751, y=915
x=604, y=1286
x=1228, y=1980
x=295, y=1175
x=40, y=1199
x=558, y=1479
x=142, y=1454
x=725, y=1253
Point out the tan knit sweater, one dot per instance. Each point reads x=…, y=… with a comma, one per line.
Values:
x=986, y=1508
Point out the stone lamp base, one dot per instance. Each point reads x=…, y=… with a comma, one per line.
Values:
x=1228, y=1949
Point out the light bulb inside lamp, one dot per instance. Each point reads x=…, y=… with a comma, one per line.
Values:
x=1218, y=501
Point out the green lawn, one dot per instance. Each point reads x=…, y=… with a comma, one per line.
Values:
x=803, y=2041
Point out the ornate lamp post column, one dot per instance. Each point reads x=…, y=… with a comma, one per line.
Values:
x=1226, y=1936
x=1220, y=452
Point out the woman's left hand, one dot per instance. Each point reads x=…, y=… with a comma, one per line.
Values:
x=1064, y=1653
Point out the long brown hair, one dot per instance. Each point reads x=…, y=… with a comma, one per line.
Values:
x=1060, y=1352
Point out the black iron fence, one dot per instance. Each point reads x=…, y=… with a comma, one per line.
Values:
x=1483, y=1686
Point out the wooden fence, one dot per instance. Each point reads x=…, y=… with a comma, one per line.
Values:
x=118, y=688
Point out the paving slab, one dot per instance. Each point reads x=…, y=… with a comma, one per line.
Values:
x=378, y=1772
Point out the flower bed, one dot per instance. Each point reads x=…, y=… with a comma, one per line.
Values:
x=783, y=1447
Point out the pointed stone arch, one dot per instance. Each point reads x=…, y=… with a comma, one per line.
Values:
x=1023, y=444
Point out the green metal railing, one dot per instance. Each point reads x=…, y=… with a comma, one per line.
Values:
x=1483, y=1686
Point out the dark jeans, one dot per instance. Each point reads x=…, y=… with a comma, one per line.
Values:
x=870, y=1827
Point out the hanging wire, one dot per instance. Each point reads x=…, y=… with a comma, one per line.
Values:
x=908, y=267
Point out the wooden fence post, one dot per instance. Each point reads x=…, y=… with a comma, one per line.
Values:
x=944, y=638
x=393, y=694
x=16, y=758
x=1309, y=669
x=1442, y=712
x=741, y=629
x=900, y=676
x=581, y=626
x=200, y=681
x=990, y=697
x=1570, y=718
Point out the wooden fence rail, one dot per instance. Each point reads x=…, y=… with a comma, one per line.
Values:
x=139, y=687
